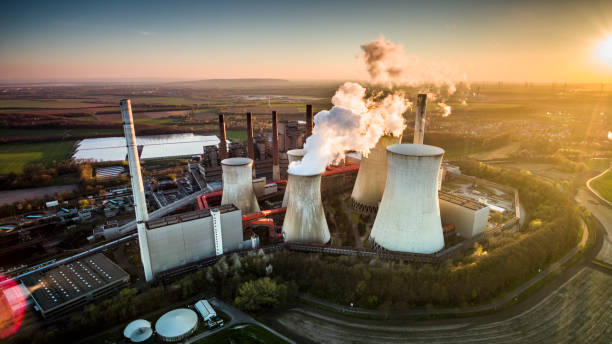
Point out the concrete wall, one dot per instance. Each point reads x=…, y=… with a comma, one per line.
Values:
x=185, y=242
x=468, y=222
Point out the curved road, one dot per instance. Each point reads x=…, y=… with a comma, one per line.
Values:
x=574, y=308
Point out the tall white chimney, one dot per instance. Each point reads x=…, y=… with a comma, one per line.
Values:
x=419, y=122
x=238, y=184
x=292, y=155
x=408, y=218
x=305, y=218
x=140, y=203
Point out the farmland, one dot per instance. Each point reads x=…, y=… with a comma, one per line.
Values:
x=13, y=157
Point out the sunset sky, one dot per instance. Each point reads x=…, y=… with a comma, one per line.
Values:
x=538, y=41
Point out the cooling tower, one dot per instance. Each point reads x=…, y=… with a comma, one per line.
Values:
x=238, y=184
x=408, y=218
x=370, y=183
x=305, y=219
x=292, y=155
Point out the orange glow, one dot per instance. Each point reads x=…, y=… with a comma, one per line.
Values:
x=12, y=307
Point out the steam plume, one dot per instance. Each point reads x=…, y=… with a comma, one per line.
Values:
x=446, y=109
x=353, y=123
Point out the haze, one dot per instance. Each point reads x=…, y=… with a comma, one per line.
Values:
x=550, y=41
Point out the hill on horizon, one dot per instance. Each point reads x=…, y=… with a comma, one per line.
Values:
x=230, y=83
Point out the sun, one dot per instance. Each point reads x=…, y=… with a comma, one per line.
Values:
x=604, y=50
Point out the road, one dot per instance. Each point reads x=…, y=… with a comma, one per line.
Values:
x=238, y=317
x=604, y=215
x=576, y=307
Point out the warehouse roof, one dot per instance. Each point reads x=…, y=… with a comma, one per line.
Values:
x=153, y=147
x=465, y=202
x=61, y=285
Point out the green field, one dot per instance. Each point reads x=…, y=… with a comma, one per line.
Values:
x=603, y=185
x=167, y=100
x=61, y=132
x=239, y=135
x=48, y=103
x=242, y=334
x=13, y=157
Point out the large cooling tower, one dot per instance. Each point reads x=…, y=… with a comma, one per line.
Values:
x=305, y=218
x=408, y=218
x=238, y=184
x=292, y=155
x=370, y=182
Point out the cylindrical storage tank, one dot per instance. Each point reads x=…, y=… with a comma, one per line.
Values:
x=238, y=184
x=370, y=183
x=305, y=218
x=408, y=218
x=176, y=325
x=292, y=155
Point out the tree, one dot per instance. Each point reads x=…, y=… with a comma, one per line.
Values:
x=260, y=294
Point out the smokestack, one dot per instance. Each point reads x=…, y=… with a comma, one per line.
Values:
x=275, y=159
x=305, y=218
x=292, y=155
x=370, y=183
x=250, y=144
x=140, y=202
x=309, y=124
x=419, y=122
x=408, y=218
x=222, y=138
x=238, y=184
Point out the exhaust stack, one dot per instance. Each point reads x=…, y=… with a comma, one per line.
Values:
x=292, y=155
x=238, y=184
x=275, y=158
x=305, y=218
x=140, y=202
x=309, y=123
x=419, y=122
x=408, y=218
x=370, y=183
x=222, y=138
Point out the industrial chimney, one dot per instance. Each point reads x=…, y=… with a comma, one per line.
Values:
x=238, y=184
x=408, y=218
x=140, y=202
x=292, y=155
x=370, y=183
x=305, y=218
x=419, y=122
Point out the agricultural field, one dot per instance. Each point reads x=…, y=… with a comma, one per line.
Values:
x=603, y=185
x=13, y=157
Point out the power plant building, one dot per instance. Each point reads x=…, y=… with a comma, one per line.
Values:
x=408, y=218
x=371, y=178
x=182, y=239
x=469, y=217
x=75, y=284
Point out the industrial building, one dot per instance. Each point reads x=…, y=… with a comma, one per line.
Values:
x=372, y=176
x=150, y=147
x=72, y=285
x=138, y=331
x=469, y=217
x=181, y=239
x=408, y=219
x=176, y=325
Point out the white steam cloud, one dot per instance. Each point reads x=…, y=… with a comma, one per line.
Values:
x=353, y=123
x=446, y=109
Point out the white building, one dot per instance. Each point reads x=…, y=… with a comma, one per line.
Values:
x=469, y=217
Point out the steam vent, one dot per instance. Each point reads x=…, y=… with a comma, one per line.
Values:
x=238, y=184
x=371, y=178
x=292, y=155
x=408, y=218
x=305, y=218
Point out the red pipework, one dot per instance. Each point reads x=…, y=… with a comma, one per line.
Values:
x=263, y=222
x=341, y=169
x=263, y=213
x=203, y=200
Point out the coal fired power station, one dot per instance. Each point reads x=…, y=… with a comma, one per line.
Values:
x=305, y=219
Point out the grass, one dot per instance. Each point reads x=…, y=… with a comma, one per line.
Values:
x=47, y=103
x=167, y=100
x=13, y=157
x=239, y=135
x=603, y=185
x=240, y=334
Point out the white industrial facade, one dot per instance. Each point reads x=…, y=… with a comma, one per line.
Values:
x=469, y=217
x=178, y=240
x=153, y=147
